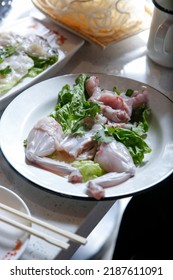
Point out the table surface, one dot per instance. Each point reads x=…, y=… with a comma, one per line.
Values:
x=127, y=58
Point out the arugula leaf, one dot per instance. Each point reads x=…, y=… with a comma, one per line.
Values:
x=103, y=136
x=6, y=52
x=116, y=90
x=72, y=107
x=146, y=114
x=64, y=97
x=40, y=64
x=5, y=71
x=140, y=118
x=134, y=143
x=129, y=92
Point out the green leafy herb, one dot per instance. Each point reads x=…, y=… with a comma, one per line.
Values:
x=5, y=71
x=6, y=52
x=116, y=90
x=141, y=117
x=72, y=107
x=129, y=92
x=103, y=136
x=134, y=143
x=40, y=64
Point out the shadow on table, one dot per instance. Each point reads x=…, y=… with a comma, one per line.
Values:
x=146, y=230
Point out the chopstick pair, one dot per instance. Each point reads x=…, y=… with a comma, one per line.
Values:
x=46, y=237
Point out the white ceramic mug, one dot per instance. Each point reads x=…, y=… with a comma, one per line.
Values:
x=160, y=41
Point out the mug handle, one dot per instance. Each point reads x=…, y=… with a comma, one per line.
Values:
x=161, y=35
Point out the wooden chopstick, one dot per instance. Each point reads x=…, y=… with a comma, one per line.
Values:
x=69, y=235
x=35, y=232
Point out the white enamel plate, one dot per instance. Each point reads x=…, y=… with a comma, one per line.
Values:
x=39, y=101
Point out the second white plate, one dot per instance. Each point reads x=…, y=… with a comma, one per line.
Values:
x=68, y=44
